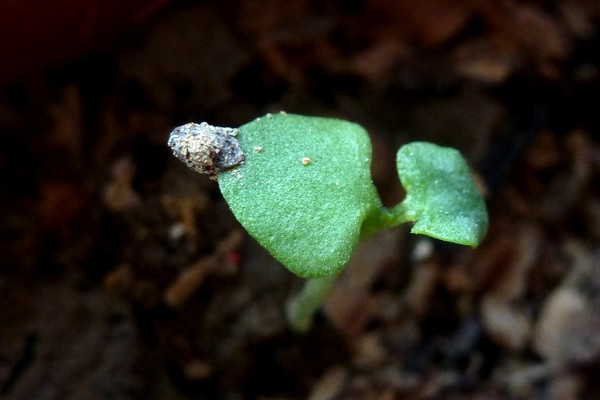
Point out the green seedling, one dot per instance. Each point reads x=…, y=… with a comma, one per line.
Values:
x=301, y=186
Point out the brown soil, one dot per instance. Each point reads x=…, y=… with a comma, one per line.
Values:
x=125, y=276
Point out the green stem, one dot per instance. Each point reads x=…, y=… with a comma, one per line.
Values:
x=382, y=218
x=302, y=308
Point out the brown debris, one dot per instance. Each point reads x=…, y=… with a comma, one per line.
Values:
x=119, y=194
x=330, y=385
x=192, y=277
x=126, y=276
x=351, y=313
x=568, y=330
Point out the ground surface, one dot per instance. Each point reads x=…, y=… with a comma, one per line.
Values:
x=124, y=275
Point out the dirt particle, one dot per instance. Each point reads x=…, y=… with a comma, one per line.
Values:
x=205, y=148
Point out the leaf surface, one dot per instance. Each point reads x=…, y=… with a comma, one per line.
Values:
x=304, y=189
x=442, y=198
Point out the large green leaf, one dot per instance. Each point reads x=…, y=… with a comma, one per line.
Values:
x=304, y=189
x=441, y=196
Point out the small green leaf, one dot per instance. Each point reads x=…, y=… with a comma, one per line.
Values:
x=441, y=196
x=304, y=189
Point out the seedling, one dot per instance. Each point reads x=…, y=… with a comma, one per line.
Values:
x=301, y=186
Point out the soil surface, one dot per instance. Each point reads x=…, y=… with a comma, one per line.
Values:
x=124, y=275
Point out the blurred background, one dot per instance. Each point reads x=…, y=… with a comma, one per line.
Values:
x=123, y=275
